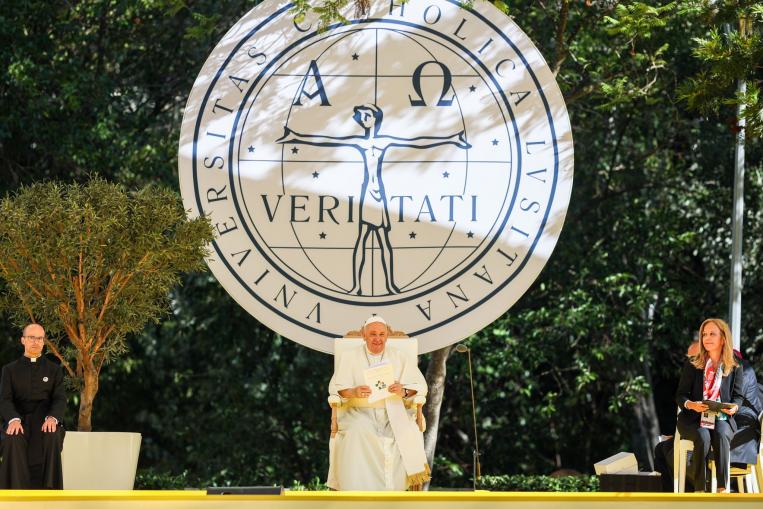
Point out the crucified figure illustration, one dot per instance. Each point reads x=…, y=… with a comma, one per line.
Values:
x=374, y=213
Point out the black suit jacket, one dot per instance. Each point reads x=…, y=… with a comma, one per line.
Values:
x=752, y=405
x=32, y=391
x=744, y=444
x=690, y=389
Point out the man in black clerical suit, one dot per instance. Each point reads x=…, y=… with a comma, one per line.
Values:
x=32, y=402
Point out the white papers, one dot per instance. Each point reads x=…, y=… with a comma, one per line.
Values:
x=379, y=378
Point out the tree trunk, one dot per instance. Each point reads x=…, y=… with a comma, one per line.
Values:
x=645, y=409
x=87, y=395
x=435, y=376
x=648, y=424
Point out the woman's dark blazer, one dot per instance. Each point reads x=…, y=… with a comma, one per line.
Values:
x=690, y=389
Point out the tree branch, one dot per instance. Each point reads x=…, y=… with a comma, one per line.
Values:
x=560, y=54
x=60, y=357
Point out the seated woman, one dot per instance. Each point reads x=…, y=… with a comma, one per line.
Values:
x=378, y=445
x=714, y=374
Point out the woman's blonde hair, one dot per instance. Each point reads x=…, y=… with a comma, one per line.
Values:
x=727, y=354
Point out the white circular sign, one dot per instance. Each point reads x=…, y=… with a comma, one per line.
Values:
x=414, y=163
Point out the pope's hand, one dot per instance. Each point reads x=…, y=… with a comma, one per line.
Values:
x=362, y=391
x=396, y=388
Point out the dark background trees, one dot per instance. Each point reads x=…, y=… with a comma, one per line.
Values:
x=583, y=366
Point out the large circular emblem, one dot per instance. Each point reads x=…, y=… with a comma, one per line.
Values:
x=414, y=163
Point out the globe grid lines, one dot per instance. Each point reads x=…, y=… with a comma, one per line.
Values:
x=557, y=185
x=505, y=161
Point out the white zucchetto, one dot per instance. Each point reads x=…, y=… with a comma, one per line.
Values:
x=374, y=319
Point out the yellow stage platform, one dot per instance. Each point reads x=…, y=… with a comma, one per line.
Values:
x=365, y=500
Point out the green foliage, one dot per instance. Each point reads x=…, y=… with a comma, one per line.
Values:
x=315, y=484
x=538, y=483
x=730, y=50
x=151, y=479
x=217, y=394
x=327, y=11
x=94, y=263
x=99, y=85
x=642, y=259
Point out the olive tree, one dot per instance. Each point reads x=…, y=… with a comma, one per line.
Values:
x=92, y=263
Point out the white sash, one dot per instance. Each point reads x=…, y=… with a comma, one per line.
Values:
x=409, y=441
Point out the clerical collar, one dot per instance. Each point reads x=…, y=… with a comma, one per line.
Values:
x=32, y=359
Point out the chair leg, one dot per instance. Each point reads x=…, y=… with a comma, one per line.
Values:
x=681, y=472
x=751, y=484
x=713, y=479
x=754, y=480
x=740, y=482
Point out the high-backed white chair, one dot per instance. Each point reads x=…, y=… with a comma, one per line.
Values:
x=408, y=346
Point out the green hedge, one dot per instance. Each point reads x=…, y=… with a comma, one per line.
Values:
x=538, y=483
x=149, y=479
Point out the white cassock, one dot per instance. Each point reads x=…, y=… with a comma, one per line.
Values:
x=365, y=454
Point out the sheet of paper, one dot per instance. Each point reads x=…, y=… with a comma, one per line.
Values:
x=379, y=378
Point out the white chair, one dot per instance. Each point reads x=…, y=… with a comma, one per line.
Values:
x=406, y=345
x=681, y=449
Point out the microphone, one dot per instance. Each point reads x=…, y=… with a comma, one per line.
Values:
x=462, y=348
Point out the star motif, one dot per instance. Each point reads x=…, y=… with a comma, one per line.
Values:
x=445, y=174
x=315, y=174
x=472, y=88
x=495, y=142
x=354, y=56
x=295, y=150
x=322, y=235
x=251, y=149
x=412, y=235
x=470, y=234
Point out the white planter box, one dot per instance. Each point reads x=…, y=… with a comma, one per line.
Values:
x=100, y=460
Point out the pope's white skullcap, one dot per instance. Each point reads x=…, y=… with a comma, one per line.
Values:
x=374, y=319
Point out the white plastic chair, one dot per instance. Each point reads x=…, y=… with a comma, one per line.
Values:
x=681, y=449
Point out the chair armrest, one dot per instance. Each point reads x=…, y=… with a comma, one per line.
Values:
x=420, y=419
x=335, y=402
x=334, y=425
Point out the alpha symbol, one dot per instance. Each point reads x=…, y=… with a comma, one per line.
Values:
x=315, y=74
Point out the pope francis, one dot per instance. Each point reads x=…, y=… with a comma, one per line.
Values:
x=378, y=445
